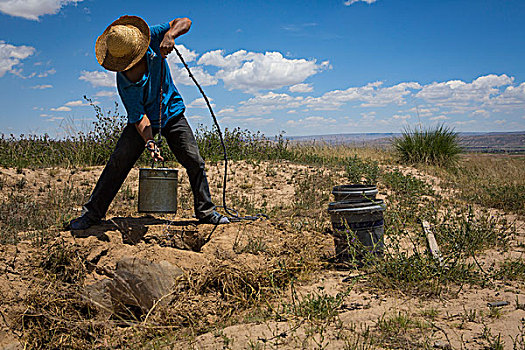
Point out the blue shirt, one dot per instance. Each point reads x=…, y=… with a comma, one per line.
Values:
x=143, y=96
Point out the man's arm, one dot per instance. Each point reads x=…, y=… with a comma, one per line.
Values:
x=143, y=126
x=178, y=27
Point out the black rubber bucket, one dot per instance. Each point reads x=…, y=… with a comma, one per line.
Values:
x=358, y=228
x=354, y=193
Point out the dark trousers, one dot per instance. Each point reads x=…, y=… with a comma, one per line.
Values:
x=128, y=150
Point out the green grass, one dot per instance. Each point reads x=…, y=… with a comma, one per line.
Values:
x=21, y=212
x=438, y=145
x=512, y=269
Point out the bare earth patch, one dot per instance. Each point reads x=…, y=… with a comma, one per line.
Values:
x=265, y=284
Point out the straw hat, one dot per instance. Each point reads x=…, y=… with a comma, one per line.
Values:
x=123, y=43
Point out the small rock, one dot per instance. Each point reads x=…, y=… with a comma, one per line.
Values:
x=438, y=344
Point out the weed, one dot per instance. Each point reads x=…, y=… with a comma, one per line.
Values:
x=317, y=306
x=519, y=306
x=494, y=312
x=465, y=232
x=20, y=212
x=394, y=330
x=362, y=171
x=20, y=184
x=512, y=269
x=469, y=315
x=255, y=245
x=438, y=145
x=518, y=342
x=430, y=313
x=406, y=185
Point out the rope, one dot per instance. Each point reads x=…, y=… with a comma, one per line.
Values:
x=233, y=214
x=158, y=142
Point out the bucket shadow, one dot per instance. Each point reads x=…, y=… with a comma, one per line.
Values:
x=133, y=229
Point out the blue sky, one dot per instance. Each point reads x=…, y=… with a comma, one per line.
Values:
x=304, y=67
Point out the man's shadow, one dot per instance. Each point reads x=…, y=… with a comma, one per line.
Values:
x=133, y=229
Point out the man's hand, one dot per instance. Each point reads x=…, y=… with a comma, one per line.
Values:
x=143, y=127
x=154, y=150
x=178, y=27
x=166, y=46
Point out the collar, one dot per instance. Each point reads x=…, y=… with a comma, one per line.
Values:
x=150, y=54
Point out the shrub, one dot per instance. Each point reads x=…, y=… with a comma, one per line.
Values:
x=437, y=146
x=240, y=144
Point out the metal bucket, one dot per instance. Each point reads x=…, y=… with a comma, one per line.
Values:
x=362, y=221
x=158, y=190
x=354, y=193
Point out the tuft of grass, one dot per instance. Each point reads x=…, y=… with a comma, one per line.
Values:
x=438, y=145
x=512, y=269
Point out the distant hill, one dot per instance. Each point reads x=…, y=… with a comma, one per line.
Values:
x=471, y=141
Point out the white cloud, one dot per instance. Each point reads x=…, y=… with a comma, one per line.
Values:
x=187, y=54
x=106, y=93
x=500, y=121
x=47, y=73
x=401, y=117
x=42, y=87
x=312, y=122
x=98, y=78
x=11, y=55
x=195, y=117
x=226, y=111
x=371, y=95
x=464, y=122
x=200, y=103
x=45, y=115
x=61, y=109
x=511, y=97
x=301, y=88
x=33, y=9
x=423, y=111
x=77, y=103
x=267, y=103
x=350, y=2
x=248, y=122
x=180, y=76
x=457, y=93
x=484, y=96
x=440, y=117
x=53, y=119
x=252, y=71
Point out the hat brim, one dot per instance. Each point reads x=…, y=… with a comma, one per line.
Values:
x=119, y=64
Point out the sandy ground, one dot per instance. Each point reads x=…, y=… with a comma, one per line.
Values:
x=272, y=187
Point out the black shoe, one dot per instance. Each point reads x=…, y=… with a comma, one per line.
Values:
x=83, y=222
x=215, y=219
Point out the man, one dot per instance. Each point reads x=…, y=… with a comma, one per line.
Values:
x=137, y=53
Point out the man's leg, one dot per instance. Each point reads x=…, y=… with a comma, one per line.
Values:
x=183, y=145
x=127, y=151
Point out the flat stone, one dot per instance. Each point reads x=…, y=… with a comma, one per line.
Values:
x=134, y=283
